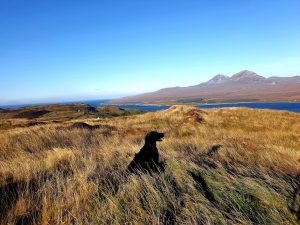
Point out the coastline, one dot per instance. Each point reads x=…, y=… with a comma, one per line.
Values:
x=289, y=106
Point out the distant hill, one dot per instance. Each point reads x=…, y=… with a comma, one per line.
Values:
x=58, y=113
x=245, y=86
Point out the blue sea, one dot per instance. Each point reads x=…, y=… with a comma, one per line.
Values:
x=292, y=107
x=289, y=106
x=93, y=103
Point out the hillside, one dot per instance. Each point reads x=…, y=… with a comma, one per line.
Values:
x=58, y=113
x=245, y=86
x=224, y=166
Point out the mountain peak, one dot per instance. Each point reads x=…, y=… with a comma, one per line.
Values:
x=243, y=86
x=218, y=79
x=246, y=75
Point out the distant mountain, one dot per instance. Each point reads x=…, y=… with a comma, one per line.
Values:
x=244, y=86
x=246, y=76
x=218, y=79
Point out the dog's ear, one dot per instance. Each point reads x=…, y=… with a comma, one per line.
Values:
x=147, y=137
x=150, y=137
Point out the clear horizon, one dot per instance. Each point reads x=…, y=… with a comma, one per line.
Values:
x=67, y=51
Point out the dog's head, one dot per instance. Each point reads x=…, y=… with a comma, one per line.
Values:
x=154, y=136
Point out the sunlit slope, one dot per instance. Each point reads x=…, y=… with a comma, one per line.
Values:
x=59, y=174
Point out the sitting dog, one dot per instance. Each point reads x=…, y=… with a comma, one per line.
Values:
x=148, y=157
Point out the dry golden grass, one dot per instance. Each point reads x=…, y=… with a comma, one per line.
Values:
x=78, y=176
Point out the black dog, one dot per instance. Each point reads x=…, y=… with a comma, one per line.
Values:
x=148, y=158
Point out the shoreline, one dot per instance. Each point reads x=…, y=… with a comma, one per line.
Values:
x=99, y=104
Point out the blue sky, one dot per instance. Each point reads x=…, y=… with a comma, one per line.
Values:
x=66, y=50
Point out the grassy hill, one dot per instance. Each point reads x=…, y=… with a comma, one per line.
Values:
x=224, y=166
x=58, y=113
